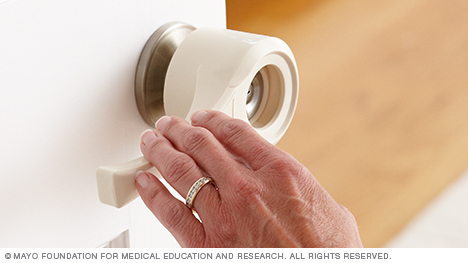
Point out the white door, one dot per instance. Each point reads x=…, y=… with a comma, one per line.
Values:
x=67, y=106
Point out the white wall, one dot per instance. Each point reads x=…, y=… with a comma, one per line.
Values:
x=67, y=106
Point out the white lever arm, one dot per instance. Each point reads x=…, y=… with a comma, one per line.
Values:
x=116, y=183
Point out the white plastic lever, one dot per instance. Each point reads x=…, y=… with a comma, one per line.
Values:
x=116, y=183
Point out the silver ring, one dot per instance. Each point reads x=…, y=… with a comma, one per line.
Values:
x=195, y=189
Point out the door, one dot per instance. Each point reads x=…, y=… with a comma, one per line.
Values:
x=67, y=106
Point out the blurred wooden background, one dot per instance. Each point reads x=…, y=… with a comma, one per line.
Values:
x=382, y=117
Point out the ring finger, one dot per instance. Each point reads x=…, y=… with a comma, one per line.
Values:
x=179, y=170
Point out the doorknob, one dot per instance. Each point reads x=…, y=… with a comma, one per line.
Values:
x=183, y=69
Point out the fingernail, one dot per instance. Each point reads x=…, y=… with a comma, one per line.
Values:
x=198, y=115
x=162, y=123
x=142, y=179
x=147, y=137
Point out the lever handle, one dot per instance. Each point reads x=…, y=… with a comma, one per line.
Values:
x=116, y=183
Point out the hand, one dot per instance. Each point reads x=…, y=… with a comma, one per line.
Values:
x=264, y=197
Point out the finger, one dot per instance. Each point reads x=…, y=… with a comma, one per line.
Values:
x=200, y=145
x=172, y=213
x=179, y=170
x=238, y=137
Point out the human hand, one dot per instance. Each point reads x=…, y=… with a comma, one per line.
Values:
x=265, y=197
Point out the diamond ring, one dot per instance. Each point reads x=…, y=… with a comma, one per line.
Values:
x=195, y=189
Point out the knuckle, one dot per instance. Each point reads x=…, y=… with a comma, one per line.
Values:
x=233, y=129
x=280, y=165
x=288, y=175
x=194, y=138
x=284, y=166
x=179, y=166
x=262, y=153
x=247, y=189
x=152, y=149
